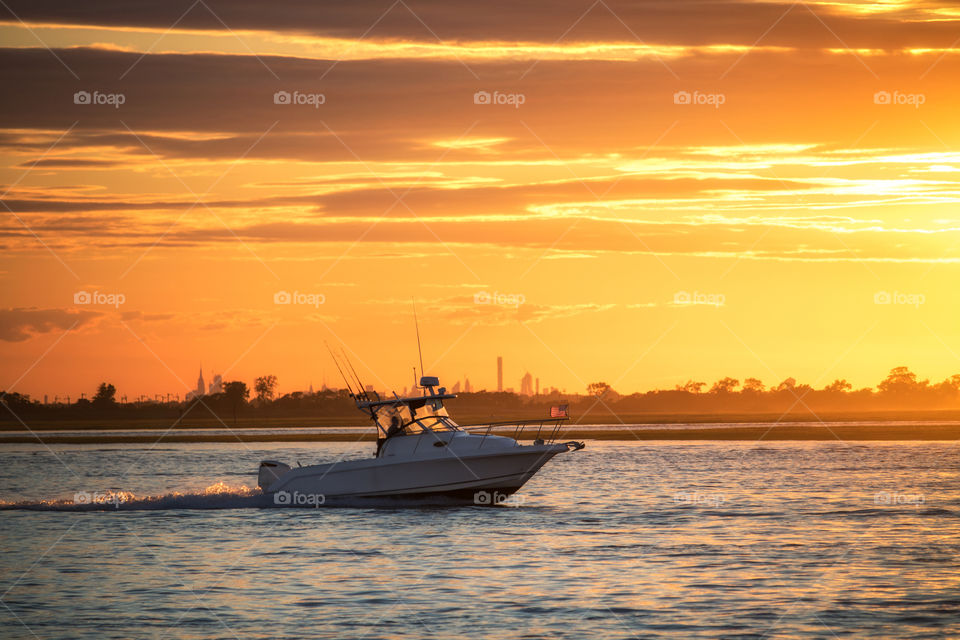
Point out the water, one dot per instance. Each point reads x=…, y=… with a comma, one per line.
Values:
x=153, y=433
x=621, y=540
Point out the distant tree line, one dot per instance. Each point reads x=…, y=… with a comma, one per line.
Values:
x=901, y=389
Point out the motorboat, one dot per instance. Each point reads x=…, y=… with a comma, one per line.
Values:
x=422, y=452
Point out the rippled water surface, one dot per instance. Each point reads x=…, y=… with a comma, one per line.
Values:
x=94, y=433
x=645, y=540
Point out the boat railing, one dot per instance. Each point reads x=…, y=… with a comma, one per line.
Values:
x=547, y=429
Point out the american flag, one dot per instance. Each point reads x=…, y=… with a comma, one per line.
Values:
x=559, y=411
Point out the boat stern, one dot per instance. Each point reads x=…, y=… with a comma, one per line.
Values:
x=270, y=472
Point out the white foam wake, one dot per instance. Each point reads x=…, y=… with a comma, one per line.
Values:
x=216, y=496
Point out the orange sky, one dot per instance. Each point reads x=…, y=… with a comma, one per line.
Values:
x=654, y=192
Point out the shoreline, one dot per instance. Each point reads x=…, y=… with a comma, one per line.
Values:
x=668, y=420
x=757, y=433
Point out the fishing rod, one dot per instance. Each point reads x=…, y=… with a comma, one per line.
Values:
x=359, y=382
x=334, y=357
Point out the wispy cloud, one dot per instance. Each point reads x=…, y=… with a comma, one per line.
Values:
x=19, y=324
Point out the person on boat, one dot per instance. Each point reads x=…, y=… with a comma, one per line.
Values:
x=395, y=428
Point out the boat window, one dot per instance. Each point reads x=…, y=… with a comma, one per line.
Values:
x=429, y=415
x=433, y=415
x=413, y=427
x=388, y=413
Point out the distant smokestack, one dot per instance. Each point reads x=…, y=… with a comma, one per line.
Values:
x=499, y=373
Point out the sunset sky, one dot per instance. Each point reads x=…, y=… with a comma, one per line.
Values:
x=654, y=191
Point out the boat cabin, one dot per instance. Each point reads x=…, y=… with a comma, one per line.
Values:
x=412, y=415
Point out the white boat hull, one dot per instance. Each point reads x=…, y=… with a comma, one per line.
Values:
x=458, y=465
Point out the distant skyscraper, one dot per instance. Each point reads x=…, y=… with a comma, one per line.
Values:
x=201, y=388
x=526, y=385
x=499, y=373
x=467, y=387
x=216, y=386
x=456, y=387
x=538, y=387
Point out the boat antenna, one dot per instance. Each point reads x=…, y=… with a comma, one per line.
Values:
x=417, y=325
x=345, y=380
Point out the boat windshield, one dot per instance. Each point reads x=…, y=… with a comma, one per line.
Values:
x=433, y=415
x=415, y=417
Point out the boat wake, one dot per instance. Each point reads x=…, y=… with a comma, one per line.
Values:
x=216, y=496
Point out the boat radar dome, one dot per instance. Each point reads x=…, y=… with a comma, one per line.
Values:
x=429, y=381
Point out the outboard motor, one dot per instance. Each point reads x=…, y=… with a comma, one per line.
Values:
x=270, y=472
